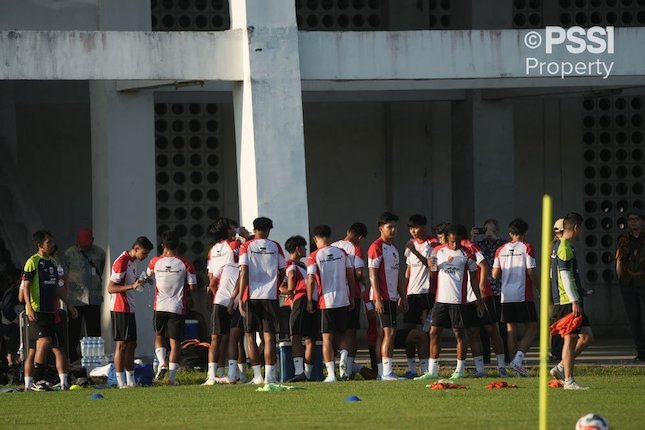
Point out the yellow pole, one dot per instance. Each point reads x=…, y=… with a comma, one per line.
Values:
x=545, y=293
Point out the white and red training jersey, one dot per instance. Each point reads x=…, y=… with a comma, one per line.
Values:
x=222, y=253
x=172, y=276
x=124, y=272
x=329, y=265
x=264, y=259
x=226, y=276
x=479, y=257
x=419, y=280
x=452, y=277
x=385, y=257
x=299, y=270
x=515, y=258
x=355, y=253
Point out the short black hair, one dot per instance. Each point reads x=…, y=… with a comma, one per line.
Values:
x=417, y=220
x=233, y=223
x=571, y=220
x=262, y=224
x=170, y=240
x=457, y=230
x=40, y=237
x=219, y=228
x=441, y=228
x=385, y=218
x=359, y=229
x=293, y=242
x=518, y=227
x=491, y=221
x=143, y=242
x=321, y=231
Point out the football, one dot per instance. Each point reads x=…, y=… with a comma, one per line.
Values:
x=592, y=422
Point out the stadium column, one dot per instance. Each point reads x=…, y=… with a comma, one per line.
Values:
x=268, y=117
x=123, y=168
x=493, y=160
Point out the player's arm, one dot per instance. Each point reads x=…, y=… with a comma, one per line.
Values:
x=423, y=259
x=352, y=286
x=403, y=293
x=114, y=288
x=497, y=273
x=26, y=295
x=291, y=284
x=481, y=306
x=243, y=284
x=234, y=294
x=484, y=271
x=378, y=300
x=310, y=293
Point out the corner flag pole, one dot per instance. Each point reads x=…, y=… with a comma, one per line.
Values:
x=545, y=293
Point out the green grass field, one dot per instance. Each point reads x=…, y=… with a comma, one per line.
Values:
x=616, y=392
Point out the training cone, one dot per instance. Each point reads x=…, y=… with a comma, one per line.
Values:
x=352, y=398
x=96, y=396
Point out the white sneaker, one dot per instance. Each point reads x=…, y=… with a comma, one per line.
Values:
x=557, y=372
x=390, y=377
x=209, y=382
x=574, y=386
x=257, y=381
x=330, y=379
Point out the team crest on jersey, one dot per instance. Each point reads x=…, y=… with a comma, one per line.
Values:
x=51, y=270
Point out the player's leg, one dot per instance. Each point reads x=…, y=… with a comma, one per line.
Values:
x=269, y=356
x=175, y=348
x=161, y=352
x=476, y=349
x=462, y=348
x=498, y=346
x=328, y=355
x=512, y=330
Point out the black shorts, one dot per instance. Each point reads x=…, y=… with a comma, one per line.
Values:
x=301, y=322
x=519, y=312
x=401, y=337
x=334, y=319
x=237, y=321
x=220, y=320
x=44, y=326
x=169, y=325
x=418, y=307
x=470, y=314
x=124, y=326
x=561, y=311
x=447, y=315
x=261, y=316
x=388, y=317
x=354, y=316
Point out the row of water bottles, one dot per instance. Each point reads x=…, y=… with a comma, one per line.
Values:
x=93, y=352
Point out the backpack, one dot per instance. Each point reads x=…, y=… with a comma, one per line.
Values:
x=194, y=354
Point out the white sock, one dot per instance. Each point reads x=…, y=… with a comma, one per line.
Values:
x=241, y=370
x=257, y=372
x=501, y=361
x=219, y=372
x=461, y=366
x=120, y=379
x=342, y=363
x=298, y=367
x=212, y=368
x=29, y=381
x=519, y=357
x=172, y=371
x=379, y=368
x=232, y=369
x=269, y=373
x=129, y=377
x=479, y=363
x=308, y=369
x=331, y=374
x=350, y=365
x=423, y=365
x=412, y=364
x=161, y=356
x=63, y=379
x=433, y=366
x=387, y=366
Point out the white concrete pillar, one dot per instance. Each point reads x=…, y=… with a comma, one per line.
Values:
x=123, y=188
x=493, y=161
x=268, y=118
x=123, y=169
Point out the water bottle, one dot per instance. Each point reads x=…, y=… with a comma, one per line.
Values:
x=145, y=279
x=94, y=348
x=84, y=347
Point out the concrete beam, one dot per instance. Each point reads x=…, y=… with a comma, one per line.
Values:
x=120, y=55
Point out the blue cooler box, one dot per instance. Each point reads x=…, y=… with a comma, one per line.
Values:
x=191, y=329
x=286, y=362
